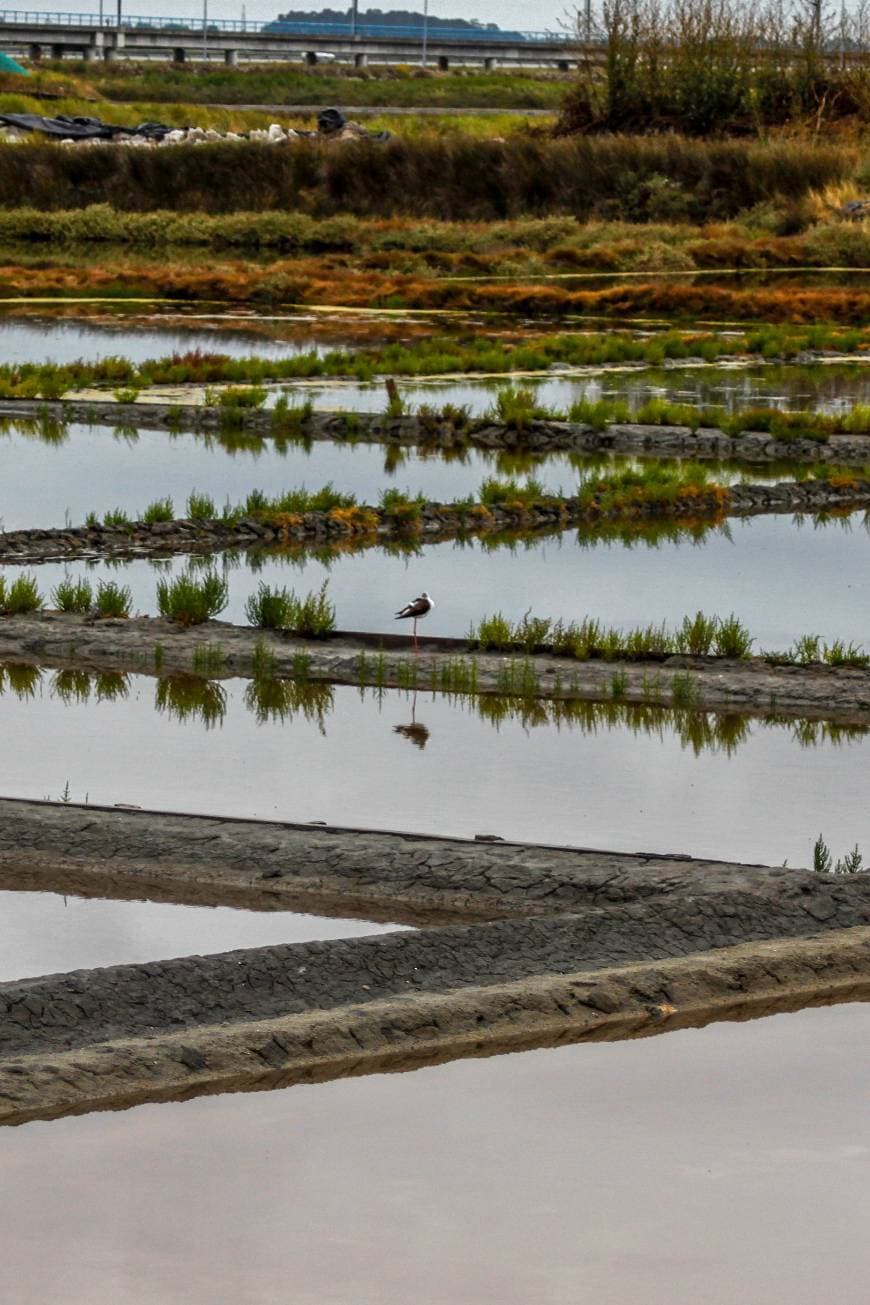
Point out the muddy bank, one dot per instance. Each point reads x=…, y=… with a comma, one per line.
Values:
x=152, y=645
x=415, y=430
x=400, y=877
x=82, y=1042
x=429, y=521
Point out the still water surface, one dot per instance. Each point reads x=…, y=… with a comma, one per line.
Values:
x=97, y=469
x=432, y=765
x=46, y=933
x=722, y=1165
x=782, y=577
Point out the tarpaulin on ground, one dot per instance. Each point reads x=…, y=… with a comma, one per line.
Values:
x=9, y=65
x=64, y=128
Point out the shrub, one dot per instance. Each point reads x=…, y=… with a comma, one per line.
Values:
x=190, y=599
x=696, y=635
x=732, y=638
x=113, y=599
x=160, y=510
x=72, y=595
x=313, y=616
x=20, y=597
x=270, y=609
x=200, y=507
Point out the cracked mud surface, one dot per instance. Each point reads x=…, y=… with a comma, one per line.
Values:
x=555, y=945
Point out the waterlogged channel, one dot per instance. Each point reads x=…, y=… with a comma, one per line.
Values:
x=828, y=389
x=59, y=340
x=608, y=776
x=54, y=476
x=784, y=577
x=45, y=933
x=721, y=1164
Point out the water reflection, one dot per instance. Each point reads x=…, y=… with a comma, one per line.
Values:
x=200, y=700
x=56, y=474
x=415, y=731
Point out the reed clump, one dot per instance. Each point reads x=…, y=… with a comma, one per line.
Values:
x=21, y=596
x=272, y=608
x=191, y=599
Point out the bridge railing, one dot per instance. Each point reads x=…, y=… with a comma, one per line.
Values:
x=381, y=31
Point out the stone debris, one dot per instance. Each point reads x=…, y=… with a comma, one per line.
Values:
x=332, y=125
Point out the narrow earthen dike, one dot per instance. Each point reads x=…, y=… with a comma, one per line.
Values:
x=539, y=436
x=557, y=945
x=143, y=645
x=435, y=521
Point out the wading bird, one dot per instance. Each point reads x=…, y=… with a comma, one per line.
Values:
x=420, y=607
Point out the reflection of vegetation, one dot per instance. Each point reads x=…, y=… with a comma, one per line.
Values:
x=73, y=686
x=190, y=697
x=271, y=699
x=20, y=678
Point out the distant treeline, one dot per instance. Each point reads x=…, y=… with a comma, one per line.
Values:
x=384, y=18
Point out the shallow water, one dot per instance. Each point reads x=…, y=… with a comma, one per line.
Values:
x=50, y=480
x=822, y=389
x=781, y=576
x=720, y=1165
x=61, y=340
x=436, y=766
x=45, y=933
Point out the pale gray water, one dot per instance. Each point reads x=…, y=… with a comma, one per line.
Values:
x=615, y=786
x=66, y=340
x=782, y=578
x=45, y=933
x=97, y=469
x=721, y=1165
x=823, y=389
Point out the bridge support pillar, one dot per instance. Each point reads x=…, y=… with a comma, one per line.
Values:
x=57, y=51
x=179, y=54
x=36, y=52
x=488, y=63
x=443, y=63
x=231, y=58
x=311, y=58
x=360, y=61
x=564, y=65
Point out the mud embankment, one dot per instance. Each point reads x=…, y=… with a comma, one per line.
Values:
x=429, y=522
x=432, y=432
x=152, y=645
x=590, y=945
x=398, y=877
x=274, y=1017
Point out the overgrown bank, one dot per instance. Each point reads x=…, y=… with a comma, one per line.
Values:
x=459, y=179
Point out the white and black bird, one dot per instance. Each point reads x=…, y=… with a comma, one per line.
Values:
x=416, y=610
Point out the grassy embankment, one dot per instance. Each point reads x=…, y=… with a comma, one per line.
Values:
x=581, y=191
x=288, y=84
x=436, y=356
x=541, y=247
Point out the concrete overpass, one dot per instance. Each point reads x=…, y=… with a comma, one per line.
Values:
x=36, y=35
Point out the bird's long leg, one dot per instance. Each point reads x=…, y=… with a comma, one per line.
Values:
x=416, y=645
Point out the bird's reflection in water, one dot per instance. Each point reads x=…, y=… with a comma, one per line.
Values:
x=415, y=730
